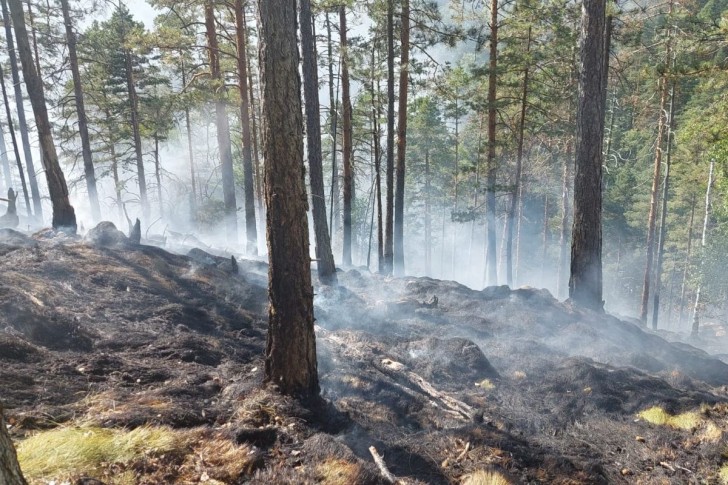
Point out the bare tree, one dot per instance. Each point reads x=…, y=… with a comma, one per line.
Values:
x=401, y=141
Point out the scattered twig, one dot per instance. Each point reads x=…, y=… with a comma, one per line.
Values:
x=382, y=466
x=664, y=464
x=464, y=452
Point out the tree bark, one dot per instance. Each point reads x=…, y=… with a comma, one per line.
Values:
x=22, y=123
x=663, y=212
x=519, y=167
x=398, y=260
x=223, y=126
x=585, y=284
x=324, y=256
x=64, y=217
x=491, y=263
x=290, y=361
x=10, y=473
x=703, y=243
x=389, y=222
x=251, y=230
x=14, y=142
x=88, y=164
x=347, y=138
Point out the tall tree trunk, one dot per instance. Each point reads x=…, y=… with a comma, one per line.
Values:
x=254, y=127
x=703, y=243
x=389, y=223
x=7, y=175
x=511, y=216
x=88, y=164
x=333, y=119
x=290, y=361
x=544, y=239
x=456, y=176
x=490, y=252
x=64, y=217
x=10, y=473
x=22, y=123
x=428, y=217
x=563, y=270
x=686, y=268
x=223, y=125
x=663, y=212
x=654, y=201
x=115, y=174
x=14, y=141
x=585, y=284
x=325, y=266
x=398, y=259
x=251, y=230
x=377, y=136
x=188, y=129
x=477, y=187
x=158, y=174
x=347, y=138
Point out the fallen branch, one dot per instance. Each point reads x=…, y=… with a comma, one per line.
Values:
x=667, y=465
x=382, y=466
x=464, y=452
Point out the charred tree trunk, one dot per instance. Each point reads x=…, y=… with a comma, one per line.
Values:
x=389, y=223
x=703, y=243
x=251, y=230
x=22, y=123
x=223, y=126
x=14, y=141
x=398, y=260
x=563, y=269
x=663, y=212
x=491, y=263
x=290, y=361
x=10, y=473
x=347, y=138
x=324, y=256
x=377, y=136
x=686, y=269
x=511, y=216
x=585, y=284
x=333, y=128
x=88, y=164
x=64, y=216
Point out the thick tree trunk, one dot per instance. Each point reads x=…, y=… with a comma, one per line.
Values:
x=64, y=216
x=22, y=123
x=511, y=216
x=10, y=473
x=88, y=164
x=398, y=259
x=663, y=212
x=585, y=284
x=703, y=243
x=324, y=256
x=389, y=223
x=654, y=201
x=290, y=361
x=491, y=263
x=251, y=230
x=223, y=126
x=14, y=141
x=347, y=138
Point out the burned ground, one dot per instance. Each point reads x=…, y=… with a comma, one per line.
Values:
x=443, y=380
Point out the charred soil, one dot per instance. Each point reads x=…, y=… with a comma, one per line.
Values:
x=106, y=340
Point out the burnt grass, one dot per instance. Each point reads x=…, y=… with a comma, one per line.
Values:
x=441, y=379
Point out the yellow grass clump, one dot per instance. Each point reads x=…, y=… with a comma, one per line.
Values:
x=723, y=474
x=657, y=415
x=65, y=451
x=337, y=472
x=485, y=477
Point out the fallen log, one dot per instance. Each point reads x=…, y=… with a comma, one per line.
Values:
x=382, y=466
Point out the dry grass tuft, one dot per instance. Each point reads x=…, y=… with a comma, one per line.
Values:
x=658, y=416
x=485, y=477
x=519, y=375
x=220, y=459
x=723, y=474
x=337, y=472
x=258, y=410
x=485, y=384
x=66, y=451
